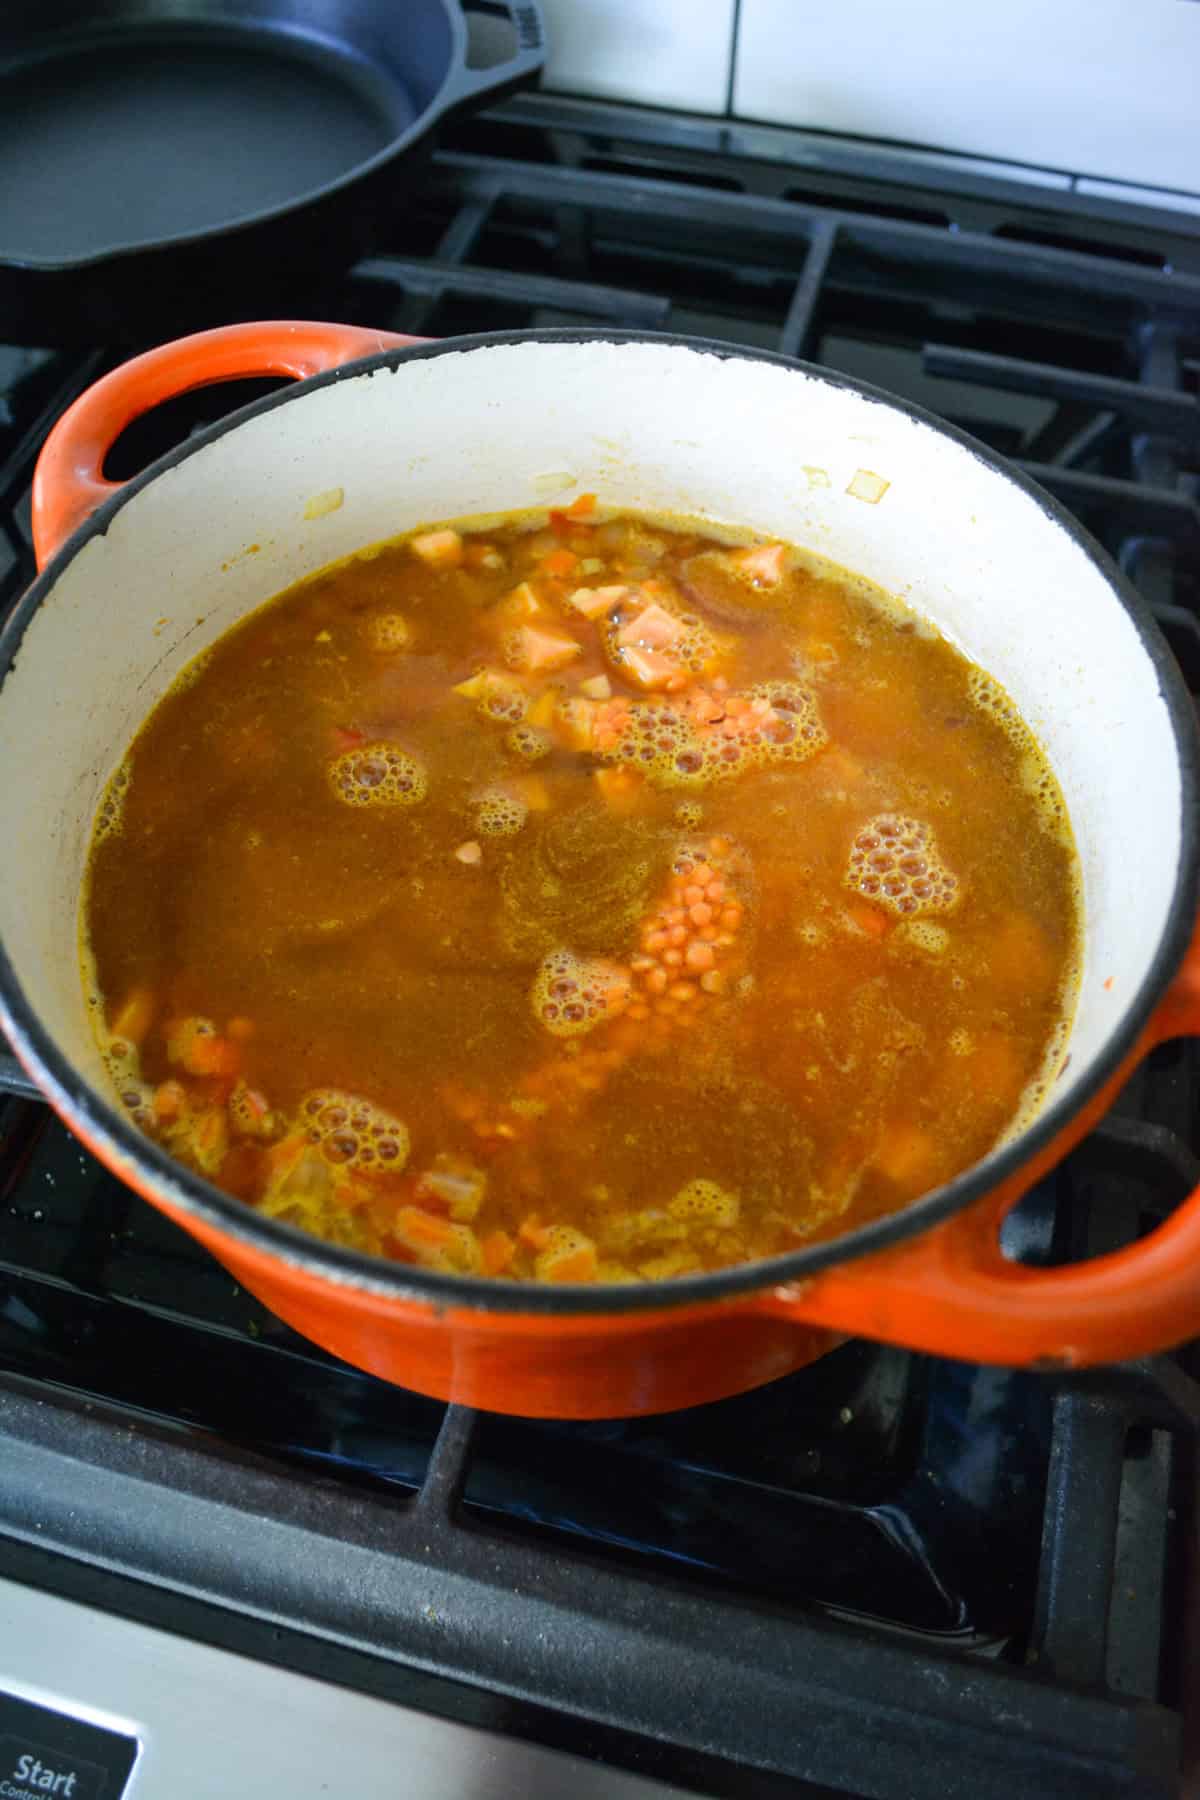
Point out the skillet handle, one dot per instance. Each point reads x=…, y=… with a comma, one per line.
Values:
x=951, y=1291
x=467, y=86
x=69, y=482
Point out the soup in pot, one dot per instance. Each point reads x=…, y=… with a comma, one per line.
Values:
x=582, y=898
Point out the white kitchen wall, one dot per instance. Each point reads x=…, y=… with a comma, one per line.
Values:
x=657, y=52
x=1098, y=87
x=1108, y=89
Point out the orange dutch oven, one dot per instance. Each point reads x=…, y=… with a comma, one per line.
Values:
x=379, y=434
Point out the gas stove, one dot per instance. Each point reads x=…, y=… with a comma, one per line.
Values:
x=228, y=1559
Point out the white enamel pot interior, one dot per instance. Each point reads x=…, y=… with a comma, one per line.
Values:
x=485, y=425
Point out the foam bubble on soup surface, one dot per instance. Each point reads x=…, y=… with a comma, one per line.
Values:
x=388, y=632
x=378, y=775
x=894, y=862
x=354, y=1132
x=705, y=737
x=572, y=994
x=499, y=813
x=705, y=1201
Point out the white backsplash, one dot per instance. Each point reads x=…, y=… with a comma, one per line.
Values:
x=1108, y=89
x=656, y=52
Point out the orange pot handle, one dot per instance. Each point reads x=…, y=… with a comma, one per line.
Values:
x=952, y=1292
x=69, y=482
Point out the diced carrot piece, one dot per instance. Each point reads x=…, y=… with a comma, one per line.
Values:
x=532, y=1232
x=620, y=789
x=421, y=1230
x=498, y=1251
x=764, y=563
x=560, y=562
x=908, y=1156
x=135, y=1016
x=869, y=919
x=649, y=668
x=347, y=737
x=593, y=603
x=440, y=549
x=539, y=650
x=582, y=507
x=653, y=628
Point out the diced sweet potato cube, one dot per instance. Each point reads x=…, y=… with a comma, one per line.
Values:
x=542, y=651
x=521, y=606
x=648, y=668
x=654, y=628
x=593, y=603
x=764, y=563
x=596, y=687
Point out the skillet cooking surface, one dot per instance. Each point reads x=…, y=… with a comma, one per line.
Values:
x=134, y=138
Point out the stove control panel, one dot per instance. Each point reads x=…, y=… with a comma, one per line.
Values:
x=44, y=1753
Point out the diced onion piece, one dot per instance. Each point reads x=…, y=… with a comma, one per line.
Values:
x=440, y=549
x=318, y=505
x=864, y=484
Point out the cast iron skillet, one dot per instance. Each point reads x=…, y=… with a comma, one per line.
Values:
x=164, y=163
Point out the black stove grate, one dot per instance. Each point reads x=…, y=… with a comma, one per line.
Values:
x=885, y=1576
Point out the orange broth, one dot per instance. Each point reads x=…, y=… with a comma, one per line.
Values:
x=582, y=899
